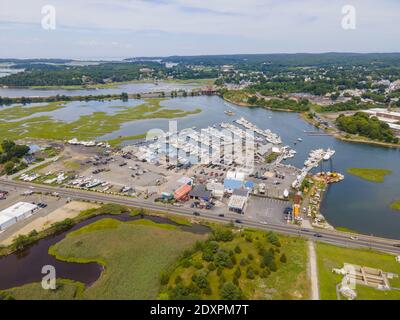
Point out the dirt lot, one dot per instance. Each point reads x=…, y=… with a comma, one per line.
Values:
x=72, y=158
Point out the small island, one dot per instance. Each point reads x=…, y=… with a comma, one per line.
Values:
x=395, y=205
x=370, y=174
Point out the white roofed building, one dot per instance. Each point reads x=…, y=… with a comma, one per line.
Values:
x=15, y=213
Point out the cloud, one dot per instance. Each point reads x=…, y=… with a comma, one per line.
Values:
x=196, y=25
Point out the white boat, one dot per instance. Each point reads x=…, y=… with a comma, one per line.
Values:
x=229, y=112
x=329, y=153
x=286, y=193
x=300, y=139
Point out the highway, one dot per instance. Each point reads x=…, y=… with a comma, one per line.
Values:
x=326, y=236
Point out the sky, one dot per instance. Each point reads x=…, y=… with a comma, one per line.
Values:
x=113, y=29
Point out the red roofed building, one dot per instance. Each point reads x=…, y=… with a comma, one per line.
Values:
x=182, y=192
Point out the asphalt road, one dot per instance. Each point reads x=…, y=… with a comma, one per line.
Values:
x=331, y=237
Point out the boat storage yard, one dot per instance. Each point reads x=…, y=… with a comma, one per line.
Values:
x=229, y=168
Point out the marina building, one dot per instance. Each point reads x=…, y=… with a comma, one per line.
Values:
x=238, y=200
x=199, y=192
x=15, y=213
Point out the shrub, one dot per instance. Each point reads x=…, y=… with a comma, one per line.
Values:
x=164, y=278
x=6, y=296
x=237, y=249
x=273, y=239
x=222, y=259
x=244, y=262
x=264, y=274
x=222, y=234
x=250, y=273
x=229, y=291
x=269, y=261
x=33, y=233
x=178, y=279
x=238, y=273
x=63, y=225
x=200, y=281
x=22, y=241
x=207, y=291
x=283, y=258
x=211, y=266
x=207, y=255
x=186, y=263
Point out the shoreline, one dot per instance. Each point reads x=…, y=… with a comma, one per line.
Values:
x=341, y=137
x=113, y=85
x=244, y=104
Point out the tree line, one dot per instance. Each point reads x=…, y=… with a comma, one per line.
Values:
x=366, y=126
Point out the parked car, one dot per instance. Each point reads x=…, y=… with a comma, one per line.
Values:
x=238, y=221
x=287, y=210
x=195, y=213
x=221, y=215
x=317, y=235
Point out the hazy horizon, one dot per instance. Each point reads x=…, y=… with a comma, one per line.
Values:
x=95, y=29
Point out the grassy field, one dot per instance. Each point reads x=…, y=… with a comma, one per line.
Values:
x=66, y=290
x=133, y=253
x=119, y=140
x=369, y=174
x=288, y=282
x=395, y=205
x=329, y=257
x=86, y=127
x=19, y=111
x=344, y=229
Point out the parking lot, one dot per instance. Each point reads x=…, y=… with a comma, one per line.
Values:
x=266, y=210
x=16, y=195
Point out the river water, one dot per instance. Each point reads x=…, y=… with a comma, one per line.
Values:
x=25, y=266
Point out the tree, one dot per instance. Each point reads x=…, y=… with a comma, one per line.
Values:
x=273, y=239
x=269, y=261
x=230, y=292
x=9, y=167
x=7, y=145
x=200, y=280
x=207, y=255
x=222, y=234
x=283, y=258
x=222, y=259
